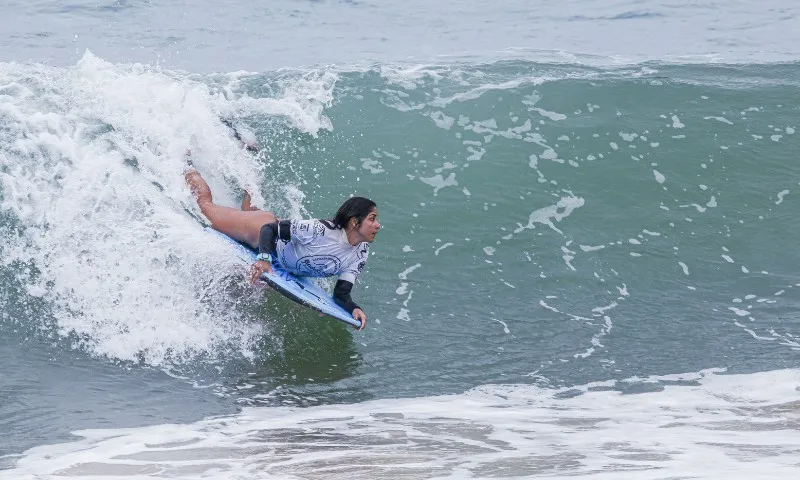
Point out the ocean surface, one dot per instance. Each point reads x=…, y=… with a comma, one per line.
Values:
x=588, y=266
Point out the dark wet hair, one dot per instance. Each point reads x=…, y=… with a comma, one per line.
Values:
x=358, y=207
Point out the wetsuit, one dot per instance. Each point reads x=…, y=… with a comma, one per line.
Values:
x=313, y=248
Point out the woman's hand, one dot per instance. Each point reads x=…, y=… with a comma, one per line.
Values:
x=359, y=315
x=258, y=268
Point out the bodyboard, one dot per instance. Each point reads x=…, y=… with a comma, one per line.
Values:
x=299, y=289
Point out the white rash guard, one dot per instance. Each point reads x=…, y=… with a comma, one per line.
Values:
x=315, y=250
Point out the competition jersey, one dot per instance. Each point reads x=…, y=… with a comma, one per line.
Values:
x=318, y=251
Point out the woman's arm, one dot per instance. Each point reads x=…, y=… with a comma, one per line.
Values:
x=341, y=295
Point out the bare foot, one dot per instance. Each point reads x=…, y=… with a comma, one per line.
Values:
x=246, y=202
x=187, y=160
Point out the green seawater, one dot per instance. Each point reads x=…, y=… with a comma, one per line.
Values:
x=542, y=223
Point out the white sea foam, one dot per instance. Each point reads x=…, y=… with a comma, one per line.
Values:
x=96, y=186
x=555, y=116
x=684, y=268
x=372, y=165
x=555, y=213
x=719, y=119
x=700, y=425
x=409, y=77
x=448, y=244
x=441, y=120
x=438, y=182
x=405, y=273
x=301, y=101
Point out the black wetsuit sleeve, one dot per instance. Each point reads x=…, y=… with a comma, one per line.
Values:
x=271, y=232
x=341, y=295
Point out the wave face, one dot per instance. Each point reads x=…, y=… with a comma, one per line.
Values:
x=546, y=225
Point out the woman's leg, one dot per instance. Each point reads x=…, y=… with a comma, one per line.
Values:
x=244, y=226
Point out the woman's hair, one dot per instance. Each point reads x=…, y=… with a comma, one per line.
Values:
x=358, y=207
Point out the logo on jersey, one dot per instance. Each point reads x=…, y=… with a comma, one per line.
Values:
x=362, y=252
x=318, y=265
x=319, y=230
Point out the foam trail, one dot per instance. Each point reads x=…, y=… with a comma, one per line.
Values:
x=699, y=425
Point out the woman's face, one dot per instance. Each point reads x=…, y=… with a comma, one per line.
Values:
x=369, y=226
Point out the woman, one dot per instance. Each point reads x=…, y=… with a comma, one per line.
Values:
x=318, y=248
